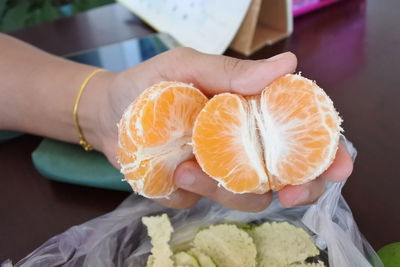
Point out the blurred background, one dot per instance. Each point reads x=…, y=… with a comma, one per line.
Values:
x=350, y=47
x=17, y=14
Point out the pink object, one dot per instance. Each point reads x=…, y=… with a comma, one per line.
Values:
x=301, y=7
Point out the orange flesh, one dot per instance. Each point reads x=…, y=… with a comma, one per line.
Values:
x=153, y=136
x=298, y=110
x=219, y=138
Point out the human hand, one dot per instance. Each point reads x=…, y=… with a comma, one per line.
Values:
x=213, y=75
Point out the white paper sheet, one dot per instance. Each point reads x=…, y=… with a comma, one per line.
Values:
x=206, y=25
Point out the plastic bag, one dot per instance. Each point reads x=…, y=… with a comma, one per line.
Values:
x=120, y=239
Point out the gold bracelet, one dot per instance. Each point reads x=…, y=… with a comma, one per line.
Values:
x=82, y=141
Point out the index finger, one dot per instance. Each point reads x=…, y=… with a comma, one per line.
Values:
x=190, y=177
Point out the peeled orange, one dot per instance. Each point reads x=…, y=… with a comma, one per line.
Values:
x=155, y=133
x=287, y=135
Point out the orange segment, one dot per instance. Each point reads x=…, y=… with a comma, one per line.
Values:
x=225, y=144
x=154, y=134
x=149, y=179
x=300, y=130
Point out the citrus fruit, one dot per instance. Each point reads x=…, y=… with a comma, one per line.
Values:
x=154, y=136
x=287, y=135
x=390, y=255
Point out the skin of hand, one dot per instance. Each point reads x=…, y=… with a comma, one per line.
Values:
x=212, y=74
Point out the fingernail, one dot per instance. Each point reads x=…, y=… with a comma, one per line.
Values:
x=187, y=178
x=302, y=199
x=276, y=57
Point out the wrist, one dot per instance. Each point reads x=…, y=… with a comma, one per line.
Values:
x=91, y=108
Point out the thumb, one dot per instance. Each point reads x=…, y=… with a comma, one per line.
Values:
x=215, y=74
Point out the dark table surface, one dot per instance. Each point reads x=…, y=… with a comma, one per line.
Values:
x=350, y=48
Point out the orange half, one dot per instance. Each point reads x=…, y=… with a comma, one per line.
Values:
x=155, y=133
x=287, y=135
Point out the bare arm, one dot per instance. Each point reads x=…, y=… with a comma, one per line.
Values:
x=38, y=91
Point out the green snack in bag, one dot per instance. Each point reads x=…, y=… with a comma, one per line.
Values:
x=203, y=259
x=183, y=259
x=282, y=244
x=227, y=245
x=277, y=244
x=159, y=229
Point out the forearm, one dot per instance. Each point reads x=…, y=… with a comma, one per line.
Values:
x=38, y=91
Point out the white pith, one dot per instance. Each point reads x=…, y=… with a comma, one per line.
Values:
x=249, y=140
x=175, y=147
x=255, y=130
x=173, y=153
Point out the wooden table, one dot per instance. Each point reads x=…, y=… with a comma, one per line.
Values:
x=350, y=48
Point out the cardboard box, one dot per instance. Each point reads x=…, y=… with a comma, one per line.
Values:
x=266, y=22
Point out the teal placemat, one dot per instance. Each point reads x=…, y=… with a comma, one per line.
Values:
x=7, y=135
x=69, y=163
